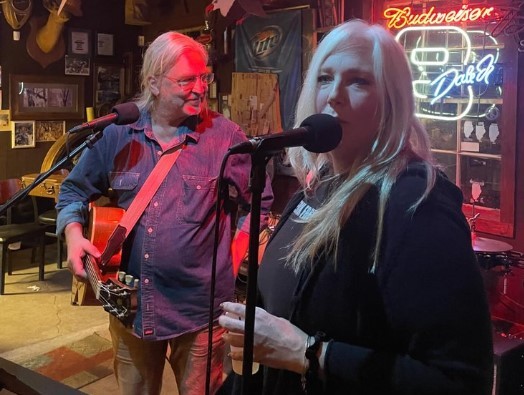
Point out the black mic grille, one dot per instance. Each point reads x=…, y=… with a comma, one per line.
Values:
x=127, y=113
x=325, y=133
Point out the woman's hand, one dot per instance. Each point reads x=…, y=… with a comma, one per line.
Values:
x=77, y=248
x=276, y=343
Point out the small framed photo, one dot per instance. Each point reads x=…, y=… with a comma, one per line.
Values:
x=108, y=87
x=77, y=65
x=79, y=42
x=23, y=134
x=49, y=130
x=5, y=120
x=104, y=44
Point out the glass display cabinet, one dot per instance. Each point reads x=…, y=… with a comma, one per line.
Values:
x=464, y=80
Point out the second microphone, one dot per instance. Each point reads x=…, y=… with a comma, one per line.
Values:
x=318, y=133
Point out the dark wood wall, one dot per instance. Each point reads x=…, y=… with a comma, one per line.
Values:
x=518, y=241
x=191, y=15
x=99, y=16
x=107, y=16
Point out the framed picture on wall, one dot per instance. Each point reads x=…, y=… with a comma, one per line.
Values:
x=5, y=120
x=77, y=65
x=23, y=134
x=79, y=42
x=104, y=44
x=46, y=97
x=108, y=87
x=49, y=130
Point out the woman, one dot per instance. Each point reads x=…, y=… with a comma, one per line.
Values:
x=369, y=284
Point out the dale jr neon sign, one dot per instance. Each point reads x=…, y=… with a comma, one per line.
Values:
x=443, y=72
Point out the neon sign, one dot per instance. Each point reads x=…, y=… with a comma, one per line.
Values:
x=445, y=77
x=453, y=77
x=401, y=17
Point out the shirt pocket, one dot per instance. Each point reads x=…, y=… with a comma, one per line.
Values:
x=198, y=199
x=123, y=182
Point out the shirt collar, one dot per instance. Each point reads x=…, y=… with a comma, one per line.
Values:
x=186, y=130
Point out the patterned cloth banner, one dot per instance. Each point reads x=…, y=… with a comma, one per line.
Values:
x=273, y=45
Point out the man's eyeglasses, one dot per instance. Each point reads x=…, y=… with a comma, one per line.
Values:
x=189, y=82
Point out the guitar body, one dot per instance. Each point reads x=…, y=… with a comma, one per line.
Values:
x=102, y=223
x=117, y=297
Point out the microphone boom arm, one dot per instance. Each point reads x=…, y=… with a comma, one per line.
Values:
x=89, y=142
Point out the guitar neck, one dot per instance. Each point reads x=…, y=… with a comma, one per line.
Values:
x=93, y=275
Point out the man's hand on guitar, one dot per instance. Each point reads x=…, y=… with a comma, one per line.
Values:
x=77, y=248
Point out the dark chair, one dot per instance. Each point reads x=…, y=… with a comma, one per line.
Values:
x=48, y=219
x=26, y=233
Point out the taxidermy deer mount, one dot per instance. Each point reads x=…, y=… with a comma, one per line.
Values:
x=45, y=43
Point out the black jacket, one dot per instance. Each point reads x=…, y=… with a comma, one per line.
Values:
x=420, y=324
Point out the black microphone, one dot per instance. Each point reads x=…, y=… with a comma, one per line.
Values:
x=121, y=114
x=317, y=133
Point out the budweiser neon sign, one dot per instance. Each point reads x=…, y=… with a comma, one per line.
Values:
x=402, y=17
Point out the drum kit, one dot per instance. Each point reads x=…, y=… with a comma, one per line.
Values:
x=484, y=245
x=491, y=253
x=502, y=271
x=503, y=274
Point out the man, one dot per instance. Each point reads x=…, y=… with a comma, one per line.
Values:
x=170, y=249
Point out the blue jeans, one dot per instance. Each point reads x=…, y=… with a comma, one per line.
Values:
x=139, y=364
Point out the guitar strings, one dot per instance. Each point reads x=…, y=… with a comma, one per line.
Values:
x=98, y=286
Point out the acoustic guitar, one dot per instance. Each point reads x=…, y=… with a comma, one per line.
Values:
x=116, y=291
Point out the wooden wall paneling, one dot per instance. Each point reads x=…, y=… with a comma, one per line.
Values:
x=98, y=16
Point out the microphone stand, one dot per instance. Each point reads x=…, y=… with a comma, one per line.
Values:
x=89, y=142
x=258, y=177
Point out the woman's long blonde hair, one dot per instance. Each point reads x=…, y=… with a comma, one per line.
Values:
x=400, y=139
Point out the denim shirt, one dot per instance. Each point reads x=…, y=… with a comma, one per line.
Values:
x=170, y=249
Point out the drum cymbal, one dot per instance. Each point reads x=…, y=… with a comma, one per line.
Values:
x=482, y=244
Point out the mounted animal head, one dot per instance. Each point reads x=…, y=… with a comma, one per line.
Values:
x=17, y=12
x=45, y=43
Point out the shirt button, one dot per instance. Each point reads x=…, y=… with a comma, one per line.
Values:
x=146, y=256
x=159, y=153
x=199, y=187
x=149, y=230
x=146, y=281
x=155, y=204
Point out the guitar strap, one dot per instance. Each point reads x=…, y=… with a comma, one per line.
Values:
x=139, y=203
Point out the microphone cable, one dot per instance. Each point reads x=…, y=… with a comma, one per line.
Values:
x=218, y=206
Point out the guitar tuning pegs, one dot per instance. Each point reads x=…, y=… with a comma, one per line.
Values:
x=121, y=276
x=129, y=280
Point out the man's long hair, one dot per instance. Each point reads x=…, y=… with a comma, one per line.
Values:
x=161, y=55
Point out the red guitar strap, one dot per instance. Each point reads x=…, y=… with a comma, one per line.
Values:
x=140, y=202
